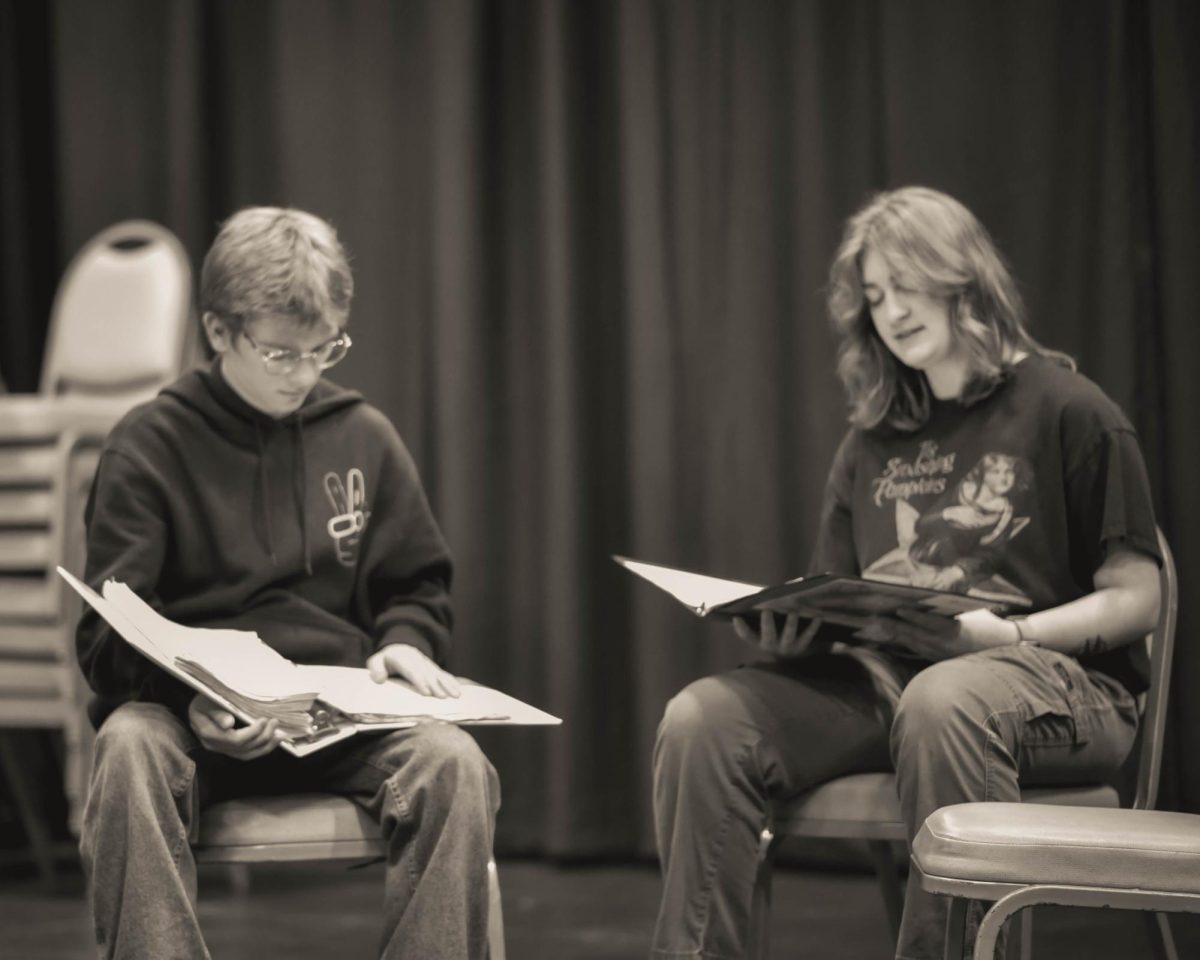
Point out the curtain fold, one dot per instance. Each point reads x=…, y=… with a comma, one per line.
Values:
x=590, y=241
x=29, y=195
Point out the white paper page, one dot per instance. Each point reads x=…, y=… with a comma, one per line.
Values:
x=238, y=658
x=138, y=640
x=120, y=622
x=487, y=701
x=352, y=691
x=694, y=590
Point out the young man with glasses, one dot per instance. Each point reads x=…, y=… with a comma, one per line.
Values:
x=257, y=495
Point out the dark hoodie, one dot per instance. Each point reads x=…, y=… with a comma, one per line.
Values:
x=313, y=531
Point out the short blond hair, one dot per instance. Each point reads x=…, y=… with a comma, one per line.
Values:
x=279, y=262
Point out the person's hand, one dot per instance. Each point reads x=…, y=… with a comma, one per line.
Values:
x=215, y=728
x=789, y=642
x=405, y=661
x=982, y=630
x=933, y=636
x=945, y=578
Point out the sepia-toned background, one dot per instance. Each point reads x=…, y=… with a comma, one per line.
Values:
x=590, y=239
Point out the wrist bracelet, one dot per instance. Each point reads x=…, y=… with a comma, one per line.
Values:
x=1021, y=638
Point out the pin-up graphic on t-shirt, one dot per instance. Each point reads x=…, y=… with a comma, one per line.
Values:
x=349, y=518
x=955, y=544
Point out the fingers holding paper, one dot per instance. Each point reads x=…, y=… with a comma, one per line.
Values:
x=790, y=641
x=408, y=663
x=217, y=730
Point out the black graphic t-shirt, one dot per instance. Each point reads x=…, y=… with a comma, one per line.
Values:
x=1017, y=498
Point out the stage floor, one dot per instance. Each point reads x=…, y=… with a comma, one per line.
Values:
x=565, y=913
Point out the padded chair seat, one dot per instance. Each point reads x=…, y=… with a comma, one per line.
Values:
x=865, y=805
x=1029, y=843
x=842, y=807
x=310, y=826
x=303, y=823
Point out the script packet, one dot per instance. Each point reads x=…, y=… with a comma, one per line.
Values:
x=841, y=599
x=315, y=706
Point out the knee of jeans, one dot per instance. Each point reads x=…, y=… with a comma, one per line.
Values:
x=933, y=707
x=695, y=716
x=452, y=761
x=135, y=736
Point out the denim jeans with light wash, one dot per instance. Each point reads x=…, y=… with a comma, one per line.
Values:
x=430, y=788
x=966, y=729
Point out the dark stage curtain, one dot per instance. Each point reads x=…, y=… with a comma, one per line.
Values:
x=590, y=240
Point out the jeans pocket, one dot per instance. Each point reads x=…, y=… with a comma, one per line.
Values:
x=1058, y=713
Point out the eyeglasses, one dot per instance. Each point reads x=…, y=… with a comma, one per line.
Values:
x=282, y=362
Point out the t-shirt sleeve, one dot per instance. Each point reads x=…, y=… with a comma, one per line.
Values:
x=1109, y=507
x=1109, y=500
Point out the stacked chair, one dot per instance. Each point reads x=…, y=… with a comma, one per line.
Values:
x=120, y=329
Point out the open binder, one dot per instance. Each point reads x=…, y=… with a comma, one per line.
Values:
x=841, y=599
x=314, y=705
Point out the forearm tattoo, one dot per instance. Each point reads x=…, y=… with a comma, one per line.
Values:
x=1094, y=645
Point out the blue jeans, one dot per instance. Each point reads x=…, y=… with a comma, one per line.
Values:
x=430, y=787
x=966, y=729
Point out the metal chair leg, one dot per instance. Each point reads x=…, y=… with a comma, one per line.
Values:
x=1024, y=920
x=956, y=922
x=1158, y=925
x=495, y=915
x=28, y=807
x=887, y=872
x=237, y=875
x=758, y=946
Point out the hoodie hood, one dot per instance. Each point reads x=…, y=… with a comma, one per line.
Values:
x=206, y=392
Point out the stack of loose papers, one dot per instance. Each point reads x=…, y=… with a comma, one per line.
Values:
x=315, y=705
x=294, y=711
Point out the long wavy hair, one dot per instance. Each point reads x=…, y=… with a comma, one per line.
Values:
x=939, y=248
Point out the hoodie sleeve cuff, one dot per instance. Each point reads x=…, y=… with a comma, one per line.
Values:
x=174, y=694
x=402, y=633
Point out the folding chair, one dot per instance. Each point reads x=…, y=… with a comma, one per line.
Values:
x=311, y=826
x=865, y=806
x=1022, y=854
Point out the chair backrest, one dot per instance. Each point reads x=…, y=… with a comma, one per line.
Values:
x=1161, y=645
x=120, y=323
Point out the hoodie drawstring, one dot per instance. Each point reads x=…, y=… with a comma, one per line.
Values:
x=265, y=491
x=299, y=492
x=300, y=488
